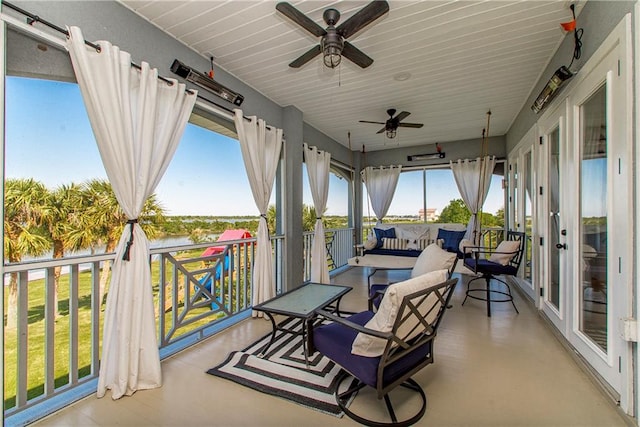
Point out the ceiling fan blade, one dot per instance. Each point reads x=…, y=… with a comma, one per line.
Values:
x=410, y=125
x=300, y=18
x=403, y=115
x=306, y=57
x=382, y=130
x=362, y=18
x=355, y=55
x=367, y=121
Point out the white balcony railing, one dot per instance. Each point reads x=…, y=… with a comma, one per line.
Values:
x=339, y=244
x=53, y=358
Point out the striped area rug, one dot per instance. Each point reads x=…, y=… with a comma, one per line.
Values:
x=282, y=372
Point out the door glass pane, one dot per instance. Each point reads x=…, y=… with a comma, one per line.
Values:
x=514, y=203
x=554, y=220
x=528, y=188
x=593, y=252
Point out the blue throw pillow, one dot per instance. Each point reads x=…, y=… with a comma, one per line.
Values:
x=451, y=239
x=381, y=234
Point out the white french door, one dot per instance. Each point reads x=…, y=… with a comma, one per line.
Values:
x=552, y=217
x=585, y=212
x=522, y=203
x=601, y=219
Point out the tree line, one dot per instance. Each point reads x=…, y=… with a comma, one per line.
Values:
x=88, y=216
x=456, y=212
x=68, y=218
x=85, y=216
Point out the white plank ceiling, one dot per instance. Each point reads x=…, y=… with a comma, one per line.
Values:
x=463, y=57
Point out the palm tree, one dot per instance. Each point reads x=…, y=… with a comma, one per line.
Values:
x=271, y=219
x=308, y=218
x=24, y=203
x=60, y=222
x=102, y=221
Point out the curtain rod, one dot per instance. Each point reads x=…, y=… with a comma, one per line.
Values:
x=31, y=18
x=342, y=165
x=226, y=113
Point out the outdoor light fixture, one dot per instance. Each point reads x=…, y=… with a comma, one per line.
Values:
x=439, y=154
x=205, y=82
x=428, y=156
x=563, y=73
x=551, y=89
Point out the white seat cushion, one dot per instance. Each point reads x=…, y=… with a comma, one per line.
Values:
x=385, y=317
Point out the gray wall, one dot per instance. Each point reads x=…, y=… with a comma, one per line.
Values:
x=454, y=150
x=598, y=19
x=339, y=152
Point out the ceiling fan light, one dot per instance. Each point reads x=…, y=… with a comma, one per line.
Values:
x=332, y=60
x=391, y=133
x=332, y=51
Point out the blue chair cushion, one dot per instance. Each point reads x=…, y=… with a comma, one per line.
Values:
x=374, y=290
x=486, y=266
x=381, y=234
x=334, y=341
x=451, y=239
x=394, y=252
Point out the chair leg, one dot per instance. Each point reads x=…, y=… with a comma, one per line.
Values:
x=468, y=285
x=392, y=413
x=488, y=280
x=343, y=400
x=488, y=292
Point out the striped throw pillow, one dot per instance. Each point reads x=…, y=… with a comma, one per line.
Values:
x=423, y=243
x=390, y=243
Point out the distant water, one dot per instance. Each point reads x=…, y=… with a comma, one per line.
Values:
x=157, y=243
x=173, y=241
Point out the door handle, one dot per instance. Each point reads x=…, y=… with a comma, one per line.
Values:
x=561, y=245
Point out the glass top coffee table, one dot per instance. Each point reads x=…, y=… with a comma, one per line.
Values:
x=301, y=303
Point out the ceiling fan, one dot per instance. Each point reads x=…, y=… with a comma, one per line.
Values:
x=393, y=123
x=333, y=44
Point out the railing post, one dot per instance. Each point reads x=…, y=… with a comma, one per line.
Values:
x=96, y=306
x=50, y=331
x=73, y=324
x=23, y=341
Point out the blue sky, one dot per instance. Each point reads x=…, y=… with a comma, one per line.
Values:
x=48, y=138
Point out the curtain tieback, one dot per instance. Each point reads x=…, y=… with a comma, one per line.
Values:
x=267, y=221
x=125, y=255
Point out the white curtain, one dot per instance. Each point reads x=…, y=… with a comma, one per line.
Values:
x=381, y=184
x=473, y=178
x=318, y=163
x=138, y=121
x=260, y=146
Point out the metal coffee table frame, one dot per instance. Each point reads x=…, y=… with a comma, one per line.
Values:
x=301, y=303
